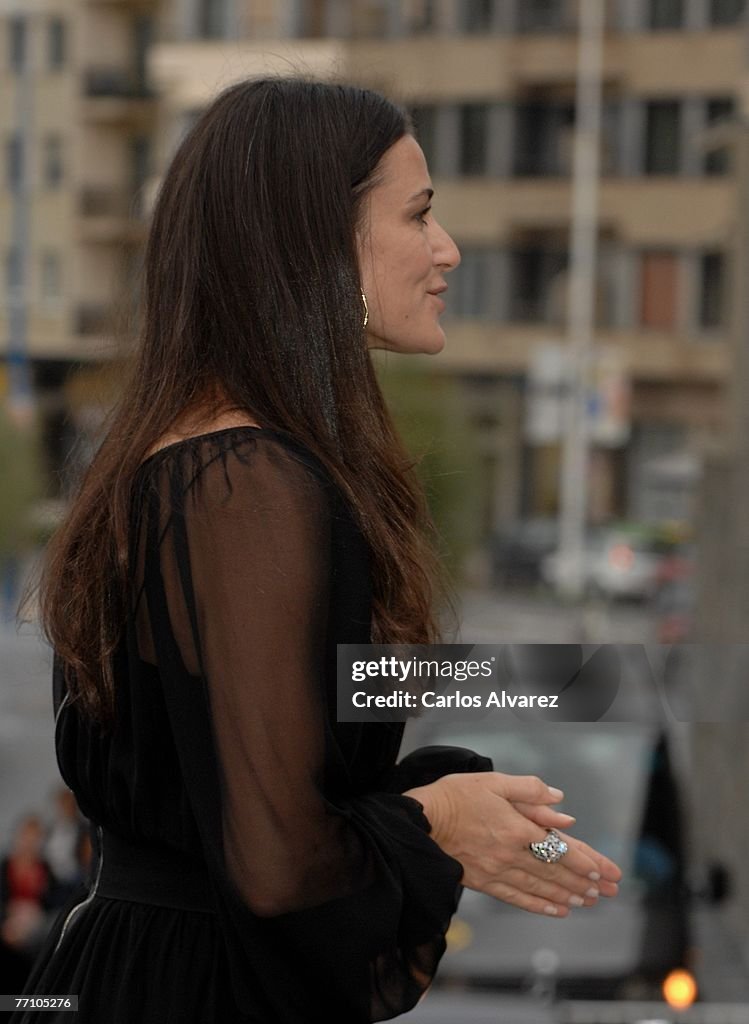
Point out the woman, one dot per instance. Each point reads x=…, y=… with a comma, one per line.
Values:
x=26, y=897
x=250, y=507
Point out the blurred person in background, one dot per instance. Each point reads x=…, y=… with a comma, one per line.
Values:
x=63, y=846
x=26, y=885
x=251, y=506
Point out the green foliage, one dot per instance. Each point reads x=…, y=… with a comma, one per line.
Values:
x=20, y=483
x=431, y=417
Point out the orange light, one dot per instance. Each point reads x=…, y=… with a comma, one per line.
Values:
x=621, y=557
x=459, y=935
x=679, y=989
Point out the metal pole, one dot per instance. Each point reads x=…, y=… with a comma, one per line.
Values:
x=581, y=305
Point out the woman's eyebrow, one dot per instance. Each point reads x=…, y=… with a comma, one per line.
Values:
x=428, y=192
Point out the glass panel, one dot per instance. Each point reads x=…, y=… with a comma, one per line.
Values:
x=716, y=160
x=662, y=137
x=56, y=44
x=726, y=12
x=53, y=171
x=476, y=15
x=50, y=277
x=211, y=17
x=14, y=162
x=17, y=44
x=540, y=15
x=666, y=14
x=544, y=139
x=474, y=119
x=712, y=290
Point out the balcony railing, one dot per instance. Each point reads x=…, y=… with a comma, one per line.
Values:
x=117, y=83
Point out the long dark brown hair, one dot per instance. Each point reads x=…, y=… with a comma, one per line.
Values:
x=251, y=291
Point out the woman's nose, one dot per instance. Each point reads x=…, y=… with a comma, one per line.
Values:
x=446, y=252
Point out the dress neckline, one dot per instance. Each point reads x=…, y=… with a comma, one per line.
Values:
x=200, y=437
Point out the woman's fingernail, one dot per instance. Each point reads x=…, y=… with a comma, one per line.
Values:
x=556, y=793
x=551, y=911
x=594, y=876
x=577, y=901
x=593, y=893
x=570, y=817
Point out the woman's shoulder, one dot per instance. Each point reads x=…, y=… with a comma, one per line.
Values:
x=237, y=458
x=190, y=428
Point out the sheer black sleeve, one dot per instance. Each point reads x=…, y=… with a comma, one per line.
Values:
x=344, y=899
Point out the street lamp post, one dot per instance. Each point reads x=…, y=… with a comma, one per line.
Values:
x=581, y=305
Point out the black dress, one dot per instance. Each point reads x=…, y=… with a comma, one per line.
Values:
x=256, y=861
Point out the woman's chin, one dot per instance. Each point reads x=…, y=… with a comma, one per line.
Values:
x=437, y=344
x=430, y=345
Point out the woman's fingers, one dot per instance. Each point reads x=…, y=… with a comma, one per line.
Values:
x=545, y=816
x=555, y=889
x=608, y=870
x=525, y=788
x=557, y=874
x=525, y=900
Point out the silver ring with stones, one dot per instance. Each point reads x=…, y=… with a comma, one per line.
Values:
x=551, y=849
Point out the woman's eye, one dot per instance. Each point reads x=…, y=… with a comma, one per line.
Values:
x=421, y=217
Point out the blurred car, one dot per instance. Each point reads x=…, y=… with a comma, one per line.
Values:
x=620, y=785
x=617, y=563
x=517, y=552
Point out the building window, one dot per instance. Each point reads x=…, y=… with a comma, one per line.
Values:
x=658, y=292
x=17, y=44
x=425, y=123
x=51, y=288
x=662, y=137
x=56, y=44
x=610, y=128
x=143, y=35
x=211, y=19
x=13, y=162
x=726, y=12
x=419, y=16
x=140, y=160
x=712, y=290
x=538, y=284
x=544, y=139
x=53, y=170
x=666, y=14
x=716, y=160
x=540, y=15
x=476, y=16
x=474, y=125
x=469, y=296
x=12, y=270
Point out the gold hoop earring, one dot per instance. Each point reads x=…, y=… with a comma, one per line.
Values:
x=366, y=309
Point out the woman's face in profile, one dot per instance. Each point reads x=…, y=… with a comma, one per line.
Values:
x=404, y=255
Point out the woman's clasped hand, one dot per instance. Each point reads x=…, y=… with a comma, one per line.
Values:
x=486, y=821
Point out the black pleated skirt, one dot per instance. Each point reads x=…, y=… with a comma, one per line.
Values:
x=142, y=946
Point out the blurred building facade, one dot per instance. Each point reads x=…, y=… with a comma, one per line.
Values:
x=110, y=86
x=76, y=117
